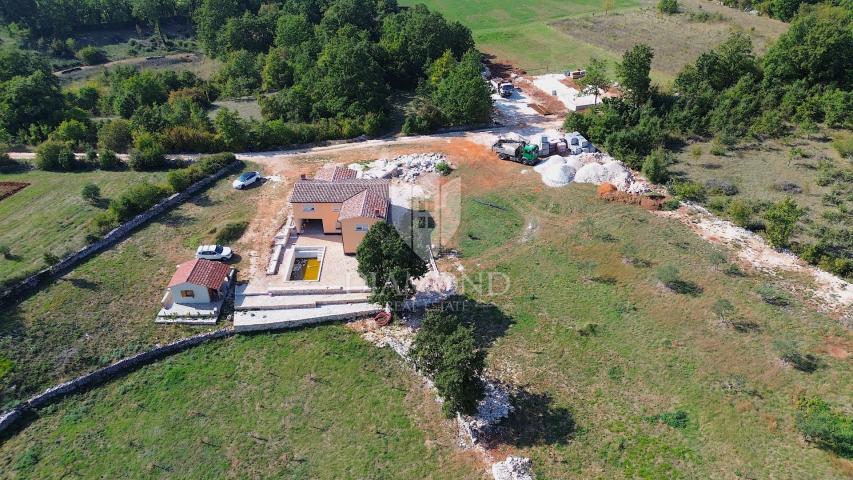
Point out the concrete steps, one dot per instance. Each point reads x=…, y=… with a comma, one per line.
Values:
x=287, y=302
x=257, y=320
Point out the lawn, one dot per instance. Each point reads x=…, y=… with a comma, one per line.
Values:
x=104, y=309
x=49, y=216
x=551, y=36
x=595, y=335
x=317, y=403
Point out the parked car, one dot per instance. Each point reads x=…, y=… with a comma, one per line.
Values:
x=214, y=252
x=246, y=179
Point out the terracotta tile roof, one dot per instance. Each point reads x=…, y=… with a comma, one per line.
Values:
x=334, y=174
x=365, y=204
x=201, y=272
x=318, y=191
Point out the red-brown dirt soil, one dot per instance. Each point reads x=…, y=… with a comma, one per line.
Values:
x=7, y=189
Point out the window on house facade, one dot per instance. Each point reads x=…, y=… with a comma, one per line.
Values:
x=187, y=293
x=308, y=207
x=361, y=227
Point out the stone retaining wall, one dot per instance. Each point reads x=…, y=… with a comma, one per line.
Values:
x=106, y=374
x=65, y=265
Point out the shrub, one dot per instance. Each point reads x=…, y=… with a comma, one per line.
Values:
x=688, y=191
x=715, y=186
x=50, y=259
x=740, y=212
x=72, y=131
x=231, y=232
x=790, y=354
x=5, y=251
x=772, y=296
x=147, y=154
x=781, y=220
x=135, y=200
x=655, y=166
x=669, y=7
x=696, y=151
x=717, y=149
x=821, y=425
x=671, y=204
x=90, y=55
x=446, y=350
x=90, y=192
x=670, y=277
x=675, y=419
x=108, y=160
x=188, y=139
x=443, y=168
x=55, y=156
x=115, y=135
x=844, y=146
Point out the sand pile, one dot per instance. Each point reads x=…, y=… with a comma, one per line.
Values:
x=558, y=171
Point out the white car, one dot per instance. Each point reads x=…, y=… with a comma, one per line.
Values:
x=213, y=252
x=246, y=179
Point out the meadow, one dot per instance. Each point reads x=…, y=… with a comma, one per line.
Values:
x=104, y=309
x=50, y=216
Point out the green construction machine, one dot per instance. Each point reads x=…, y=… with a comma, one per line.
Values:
x=516, y=150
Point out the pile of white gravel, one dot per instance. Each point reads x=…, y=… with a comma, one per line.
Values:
x=406, y=167
x=595, y=168
x=513, y=468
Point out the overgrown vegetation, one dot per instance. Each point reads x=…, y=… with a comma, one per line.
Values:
x=445, y=349
x=824, y=426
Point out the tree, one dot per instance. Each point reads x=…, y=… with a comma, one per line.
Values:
x=464, y=97
x=446, y=350
x=108, y=160
x=276, y=73
x=607, y=6
x=782, y=218
x=388, y=265
x=655, y=166
x=73, y=131
x=147, y=153
x=634, y=71
x=153, y=11
x=115, y=135
x=90, y=192
x=91, y=55
x=232, y=129
x=55, y=156
x=596, y=78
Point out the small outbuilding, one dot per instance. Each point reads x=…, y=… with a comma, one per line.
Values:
x=199, y=281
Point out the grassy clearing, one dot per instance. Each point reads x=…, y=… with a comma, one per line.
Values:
x=49, y=216
x=659, y=384
x=105, y=308
x=765, y=172
x=520, y=33
x=248, y=109
x=676, y=39
x=315, y=403
x=550, y=36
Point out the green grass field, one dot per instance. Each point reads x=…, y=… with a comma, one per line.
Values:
x=595, y=333
x=551, y=36
x=104, y=309
x=317, y=403
x=49, y=216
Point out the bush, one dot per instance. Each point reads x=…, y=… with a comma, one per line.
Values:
x=790, y=354
x=669, y=7
x=844, y=146
x=740, y=212
x=115, y=135
x=443, y=168
x=135, y=200
x=231, y=232
x=688, y=191
x=670, y=277
x=187, y=139
x=675, y=419
x=716, y=186
x=781, y=220
x=90, y=55
x=823, y=426
x=72, y=131
x=50, y=259
x=108, y=160
x=55, y=156
x=772, y=296
x=446, y=350
x=90, y=193
x=147, y=154
x=5, y=251
x=655, y=166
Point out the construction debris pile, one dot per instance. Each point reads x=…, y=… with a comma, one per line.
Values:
x=513, y=468
x=406, y=167
x=595, y=168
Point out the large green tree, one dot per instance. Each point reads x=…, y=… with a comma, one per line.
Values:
x=596, y=78
x=634, y=72
x=388, y=265
x=463, y=96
